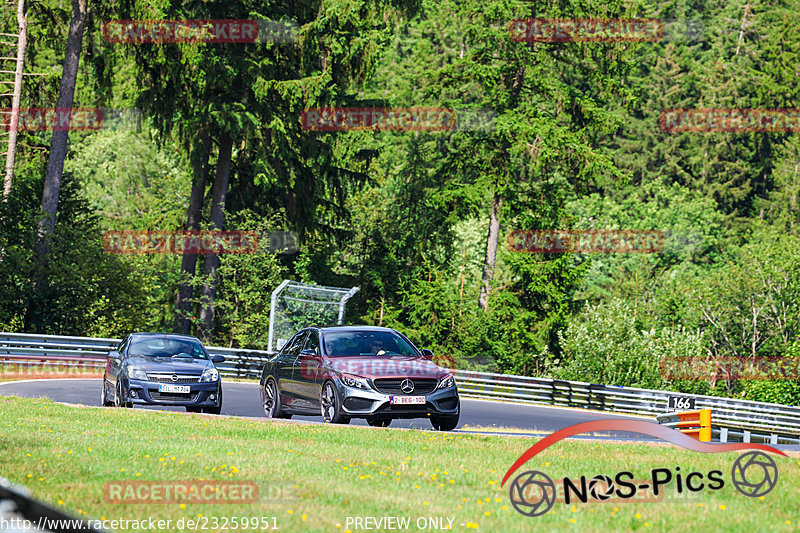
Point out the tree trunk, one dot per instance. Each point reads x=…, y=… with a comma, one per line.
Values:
x=200, y=169
x=22, y=44
x=491, y=252
x=58, y=144
x=211, y=263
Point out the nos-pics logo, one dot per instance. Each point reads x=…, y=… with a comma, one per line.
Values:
x=533, y=493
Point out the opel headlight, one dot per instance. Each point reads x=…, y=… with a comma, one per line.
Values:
x=209, y=375
x=447, y=382
x=355, y=382
x=134, y=372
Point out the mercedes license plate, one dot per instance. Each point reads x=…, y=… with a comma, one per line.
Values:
x=407, y=400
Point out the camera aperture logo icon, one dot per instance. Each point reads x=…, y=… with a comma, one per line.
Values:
x=532, y=493
x=754, y=474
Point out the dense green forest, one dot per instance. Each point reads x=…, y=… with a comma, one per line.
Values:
x=209, y=136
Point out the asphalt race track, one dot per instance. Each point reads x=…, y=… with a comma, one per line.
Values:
x=243, y=399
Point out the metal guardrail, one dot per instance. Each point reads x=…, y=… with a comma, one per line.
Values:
x=19, y=512
x=66, y=355
x=730, y=432
x=732, y=418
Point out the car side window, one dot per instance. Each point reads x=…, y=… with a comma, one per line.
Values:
x=296, y=343
x=122, y=345
x=312, y=343
x=288, y=346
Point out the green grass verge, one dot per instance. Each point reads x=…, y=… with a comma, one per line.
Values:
x=65, y=455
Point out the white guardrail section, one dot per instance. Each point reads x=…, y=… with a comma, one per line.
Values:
x=731, y=419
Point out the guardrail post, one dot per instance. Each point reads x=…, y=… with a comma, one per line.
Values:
x=705, y=425
x=695, y=423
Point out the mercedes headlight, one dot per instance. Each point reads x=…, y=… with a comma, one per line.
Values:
x=134, y=372
x=447, y=382
x=209, y=375
x=355, y=382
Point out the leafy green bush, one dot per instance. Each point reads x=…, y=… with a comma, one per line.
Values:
x=80, y=289
x=605, y=344
x=246, y=282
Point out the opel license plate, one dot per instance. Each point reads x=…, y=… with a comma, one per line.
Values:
x=180, y=389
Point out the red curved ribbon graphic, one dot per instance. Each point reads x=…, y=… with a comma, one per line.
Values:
x=635, y=426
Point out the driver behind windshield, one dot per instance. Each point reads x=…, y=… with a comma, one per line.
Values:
x=167, y=348
x=376, y=347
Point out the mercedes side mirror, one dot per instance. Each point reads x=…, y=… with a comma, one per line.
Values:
x=427, y=354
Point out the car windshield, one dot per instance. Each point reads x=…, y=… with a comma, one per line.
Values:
x=166, y=347
x=366, y=343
